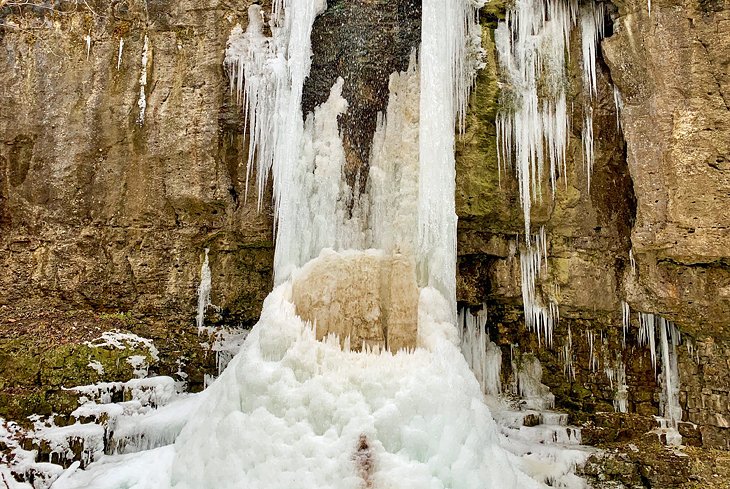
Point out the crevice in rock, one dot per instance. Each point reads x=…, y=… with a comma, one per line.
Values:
x=362, y=41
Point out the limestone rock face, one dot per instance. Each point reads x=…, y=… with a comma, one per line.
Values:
x=369, y=297
x=672, y=70
x=114, y=175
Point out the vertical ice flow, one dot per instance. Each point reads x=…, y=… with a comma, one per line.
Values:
x=204, y=292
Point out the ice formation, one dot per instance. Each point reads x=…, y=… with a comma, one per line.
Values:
x=204, y=289
x=625, y=320
x=621, y=396
x=119, y=54
x=533, y=125
x=142, y=101
x=669, y=338
x=482, y=355
x=448, y=67
x=539, y=318
x=294, y=409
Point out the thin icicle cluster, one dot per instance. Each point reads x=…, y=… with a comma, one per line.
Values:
x=539, y=318
x=566, y=355
x=621, y=397
x=593, y=362
x=647, y=334
x=268, y=74
x=483, y=356
x=204, y=292
x=449, y=33
x=669, y=338
x=142, y=101
x=532, y=129
x=626, y=320
x=591, y=26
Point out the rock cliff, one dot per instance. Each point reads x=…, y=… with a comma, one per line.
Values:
x=122, y=159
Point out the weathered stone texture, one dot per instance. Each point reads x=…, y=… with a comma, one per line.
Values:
x=104, y=211
x=672, y=70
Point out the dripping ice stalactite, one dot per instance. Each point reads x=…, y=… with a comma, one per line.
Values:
x=621, y=397
x=593, y=362
x=142, y=101
x=533, y=126
x=669, y=338
x=625, y=321
x=647, y=334
x=566, y=355
x=119, y=53
x=533, y=263
x=618, y=105
x=591, y=25
x=204, y=289
x=482, y=355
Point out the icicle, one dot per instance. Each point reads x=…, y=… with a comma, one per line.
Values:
x=610, y=375
x=669, y=339
x=619, y=104
x=647, y=334
x=621, y=397
x=567, y=356
x=119, y=55
x=632, y=262
x=587, y=137
x=204, y=290
x=533, y=263
x=593, y=363
x=87, y=39
x=626, y=316
x=483, y=356
x=142, y=102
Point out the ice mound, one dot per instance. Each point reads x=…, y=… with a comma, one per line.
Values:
x=293, y=412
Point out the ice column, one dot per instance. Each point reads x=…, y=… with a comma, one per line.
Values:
x=448, y=32
x=204, y=292
x=669, y=338
x=269, y=75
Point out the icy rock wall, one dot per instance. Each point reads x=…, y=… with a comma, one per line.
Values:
x=637, y=234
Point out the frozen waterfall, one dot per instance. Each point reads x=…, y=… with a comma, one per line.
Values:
x=354, y=376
